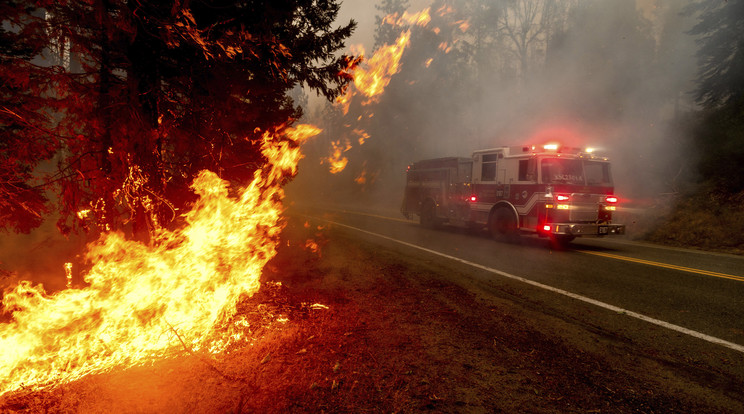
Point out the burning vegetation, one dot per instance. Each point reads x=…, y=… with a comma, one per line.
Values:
x=166, y=132
x=143, y=300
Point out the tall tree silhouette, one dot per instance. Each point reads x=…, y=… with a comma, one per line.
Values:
x=721, y=54
x=143, y=94
x=720, y=89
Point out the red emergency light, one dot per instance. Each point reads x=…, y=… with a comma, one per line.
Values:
x=611, y=199
x=561, y=197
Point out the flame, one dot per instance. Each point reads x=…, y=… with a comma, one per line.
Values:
x=337, y=160
x=421, y=18
x=149, y=301
x=361, y=179
x=372, y=76
x=463, y=25
x=312, y=246
x=68, y=274
x=383, y=64
x=445, y=10
x=345, y=100
x=363, y=135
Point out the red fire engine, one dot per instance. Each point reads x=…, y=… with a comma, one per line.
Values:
x=551, y=190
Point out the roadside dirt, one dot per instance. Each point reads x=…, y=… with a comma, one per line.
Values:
x=360, y=328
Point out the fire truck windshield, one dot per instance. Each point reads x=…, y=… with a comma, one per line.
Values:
x=575, y=172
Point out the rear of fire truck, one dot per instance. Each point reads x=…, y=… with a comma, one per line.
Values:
x=437, y=190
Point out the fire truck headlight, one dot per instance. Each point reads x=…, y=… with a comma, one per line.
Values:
x=562, y=206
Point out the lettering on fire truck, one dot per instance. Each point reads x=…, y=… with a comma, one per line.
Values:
x=551, y=190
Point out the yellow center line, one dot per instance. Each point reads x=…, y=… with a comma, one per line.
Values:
x=665, y=265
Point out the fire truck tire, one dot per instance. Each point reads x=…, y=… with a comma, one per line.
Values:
x=503, y=224
x=428, y=217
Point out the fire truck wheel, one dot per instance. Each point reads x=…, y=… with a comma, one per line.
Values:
x=503, y=224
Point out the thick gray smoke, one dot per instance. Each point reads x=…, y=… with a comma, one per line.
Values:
x=612, y=74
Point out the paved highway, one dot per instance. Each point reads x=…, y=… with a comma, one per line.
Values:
x=691, y=294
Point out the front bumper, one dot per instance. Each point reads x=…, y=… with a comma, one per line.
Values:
x=586, y=229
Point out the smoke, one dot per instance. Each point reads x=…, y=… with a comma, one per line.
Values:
x=614, y=75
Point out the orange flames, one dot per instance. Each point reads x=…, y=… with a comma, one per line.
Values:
x=372, y=77
x=150, y=301
x=337, y=161
x=383, y=64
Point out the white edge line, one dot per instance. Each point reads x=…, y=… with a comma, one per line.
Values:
x=658, y=322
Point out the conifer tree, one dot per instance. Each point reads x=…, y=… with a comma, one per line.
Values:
x=143, y=94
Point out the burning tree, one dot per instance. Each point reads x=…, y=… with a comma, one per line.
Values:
x=167, y=119
x=133, y=98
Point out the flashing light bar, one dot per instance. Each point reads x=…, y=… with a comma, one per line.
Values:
x=550, y=147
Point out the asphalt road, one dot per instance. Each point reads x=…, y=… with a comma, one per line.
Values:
x=697, y=297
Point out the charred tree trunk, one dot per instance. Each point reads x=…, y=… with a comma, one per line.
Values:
x=144, y=80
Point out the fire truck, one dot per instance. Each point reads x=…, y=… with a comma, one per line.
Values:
x=551, y=190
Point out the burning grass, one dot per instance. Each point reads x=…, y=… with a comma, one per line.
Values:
x=141, y=301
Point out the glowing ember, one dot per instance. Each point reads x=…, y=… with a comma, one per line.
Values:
x=363, y=135
x=150, y=301
x=361, y=179
x=337, y=160
x=312, y=246
x=68, y=274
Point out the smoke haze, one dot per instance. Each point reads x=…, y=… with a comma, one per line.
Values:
x=613, y=75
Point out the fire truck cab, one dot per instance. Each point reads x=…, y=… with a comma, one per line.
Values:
x=551, y=190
